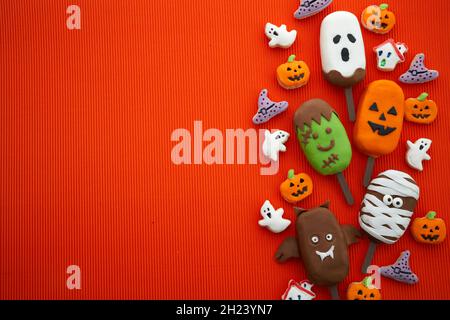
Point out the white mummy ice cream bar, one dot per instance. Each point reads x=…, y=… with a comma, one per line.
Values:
x=387, y=208
x=342, y=53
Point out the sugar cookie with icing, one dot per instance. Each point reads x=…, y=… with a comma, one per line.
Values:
x=309, y=8
x=280, y=36
x=273, y=219
x=293, y=74
x=274, y=143
x=429, y=229
x=296, y=187
x=400, y=271
x=299, y=291
x=267, y=109
x=421, y=110
x=389, y=54
x=378, y=19
x=418, y=72
x=417, y=152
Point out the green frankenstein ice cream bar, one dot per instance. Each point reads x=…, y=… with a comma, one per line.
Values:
x=323, y=140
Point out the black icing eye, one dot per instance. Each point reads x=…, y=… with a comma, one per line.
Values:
x=380, y=53
x=372, y=295
x=360, y=292
x=427, y=107
x=351, y=38
x=386, y=17
x=289, y=69
x=299, y=66
x=392, y=111
x=291, y=185
x=415, y=106
x=436, y=228
x=302, y=180
x=389, y=54
x=336, y=39
x=373, y=107
x=425, y=226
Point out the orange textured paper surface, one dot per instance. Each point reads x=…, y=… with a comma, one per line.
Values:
x=86, y=176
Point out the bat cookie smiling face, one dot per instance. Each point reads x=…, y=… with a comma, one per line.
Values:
x=322, y=244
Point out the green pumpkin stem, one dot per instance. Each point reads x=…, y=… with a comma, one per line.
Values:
x=384, y=6
x=431, y=215
x=367, y=282
x=291, y=174
x=422, y=97
x=291, y=58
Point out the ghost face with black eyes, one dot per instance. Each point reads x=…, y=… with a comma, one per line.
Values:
x=342, y=49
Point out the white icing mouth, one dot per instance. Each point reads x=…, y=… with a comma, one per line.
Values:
x=329, y=253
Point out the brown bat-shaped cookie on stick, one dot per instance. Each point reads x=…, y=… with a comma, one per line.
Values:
x=322, y=244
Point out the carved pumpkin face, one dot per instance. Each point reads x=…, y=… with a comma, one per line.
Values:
x=293, y=74
x=296, y=187
x=363, y=290
x=379, y=121
x=420, y=109
x=429, y=229
x=378, y=19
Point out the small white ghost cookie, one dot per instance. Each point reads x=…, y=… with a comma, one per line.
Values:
x=274, y=143
x=279, y=36
x=417, y=152
x=273, y=219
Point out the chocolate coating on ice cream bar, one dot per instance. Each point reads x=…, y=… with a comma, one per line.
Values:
x=322, y=244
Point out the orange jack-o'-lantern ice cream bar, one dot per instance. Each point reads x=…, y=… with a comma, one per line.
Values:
x=380, y=118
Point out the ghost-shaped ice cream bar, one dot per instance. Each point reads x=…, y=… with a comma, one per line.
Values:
x=324, y=140
x=379, y=122
x=342, y=53
x=387, y=208
x=322, y=243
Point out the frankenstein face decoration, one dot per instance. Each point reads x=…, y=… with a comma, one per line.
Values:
x=380, y=118
x=322, y=137
x=342, y=49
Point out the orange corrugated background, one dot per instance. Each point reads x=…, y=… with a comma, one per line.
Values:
x=86, y=176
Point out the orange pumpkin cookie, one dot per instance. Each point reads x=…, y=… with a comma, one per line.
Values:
x=379, y=121
x=420, y=109
x=429, y=229
x=378, y=19
x=296, y=187
x=363, y=290
x=293, y=74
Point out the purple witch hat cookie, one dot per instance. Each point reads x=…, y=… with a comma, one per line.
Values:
x=267, y=109
x=309, y=8
x=400, y=270
x=417, y=72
